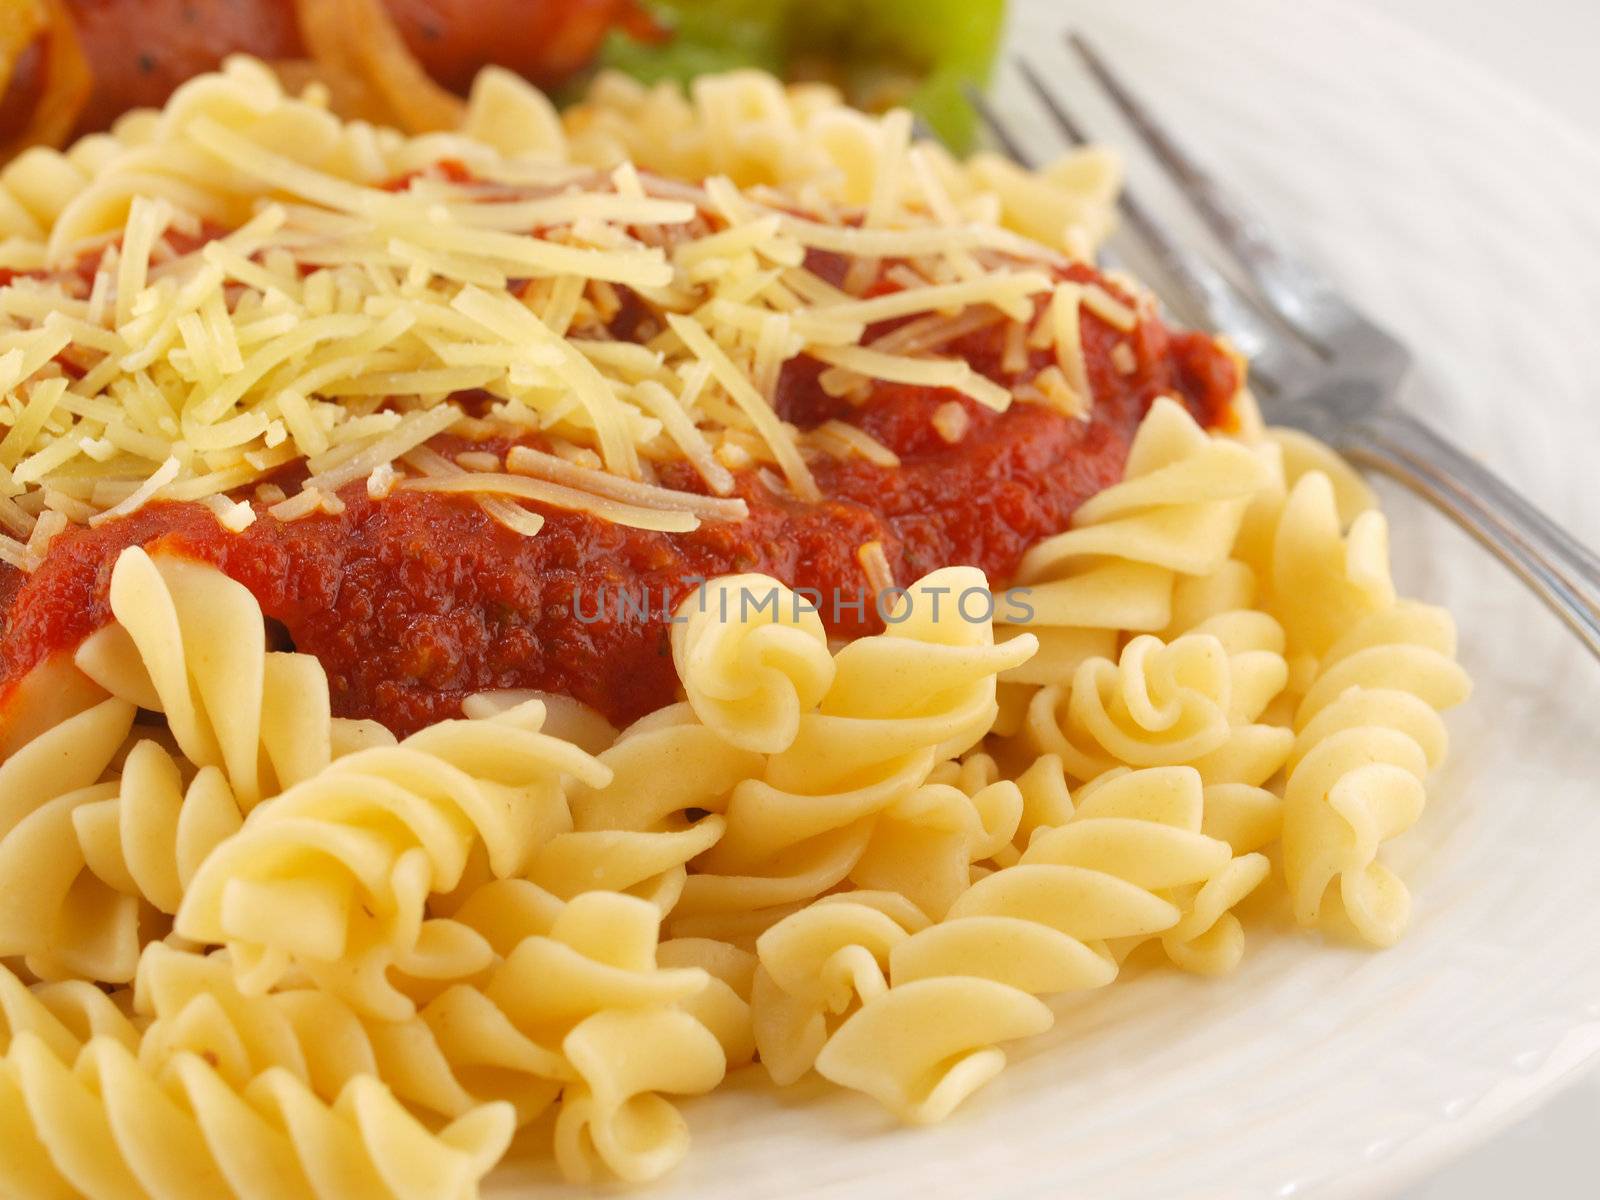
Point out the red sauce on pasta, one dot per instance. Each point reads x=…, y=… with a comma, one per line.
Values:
x=417, y=600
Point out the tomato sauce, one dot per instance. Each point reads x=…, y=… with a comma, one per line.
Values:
x=415, y=601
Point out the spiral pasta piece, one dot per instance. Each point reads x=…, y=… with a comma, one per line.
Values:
x=637, y=832
x=1290, y=456
x=1324, y=579
x=1177, y=511
x=519, y=1034
x=333, y=876
x=63, y=1015
x=615, y=1117
x=614, y=1027
x=815, y=966
x=900, y=702
x=1129, y=865
x=162, y=156
x=1369, y=732
x=924, y=847
x=1142, y=818
x=1192, y=701
x=150, y=838
x=749, y=672
x=37, y=185
x=753, y=129
x=924, y=1047
x=102, y=1126
x=662, y=766
x=64, y=920
x=190, y=643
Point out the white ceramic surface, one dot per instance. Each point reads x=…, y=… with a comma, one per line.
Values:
x=1465, y=218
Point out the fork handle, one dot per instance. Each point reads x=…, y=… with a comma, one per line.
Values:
x=1561, y=570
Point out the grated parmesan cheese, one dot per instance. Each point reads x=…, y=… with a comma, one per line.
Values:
x=955, y=374
x=875, y=566
x=951, y=422
x=344, y=322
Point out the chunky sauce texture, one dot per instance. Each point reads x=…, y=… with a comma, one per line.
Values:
x=415, y=601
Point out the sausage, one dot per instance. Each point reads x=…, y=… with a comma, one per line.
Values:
x=546, y=41
x=140, y=50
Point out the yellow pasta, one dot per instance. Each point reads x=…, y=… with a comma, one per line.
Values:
x=1131, y=863
x=251, y=948
x=189, y=643
x=922, y=691
x=100, y=1125
x=1369, y=732
x=1177, y=511
x=333, y=875
x=824, y=860
x=753, y=657
x=1195, y=700
x=62, y=919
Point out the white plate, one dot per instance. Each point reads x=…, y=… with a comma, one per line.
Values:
x=1464, y=217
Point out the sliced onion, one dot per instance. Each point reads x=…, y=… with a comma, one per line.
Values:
x=67, y=80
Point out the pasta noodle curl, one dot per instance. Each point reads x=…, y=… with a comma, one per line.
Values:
x=636, y=833
x=333, y=875
x=577, y=1008
x=1194, y=701
x=1130, y=864
x=816, y=965
x=750, y=675
x=101, y=1125
x=1176, y=512
x=190, y=643
x=1324, y=578
x=1369, y=732
x=65, y=921
x=899, y=703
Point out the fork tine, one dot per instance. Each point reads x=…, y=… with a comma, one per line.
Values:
x=1299, y=295
x=997, y=128
x=1067, y=123
x=1216, y=301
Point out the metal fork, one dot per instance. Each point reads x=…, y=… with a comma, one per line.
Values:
x=1320, y=365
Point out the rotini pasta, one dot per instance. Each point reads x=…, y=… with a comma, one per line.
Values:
x=190, y=643
x=101, y=1125
x=899, y=703
x=1369, y=732
x=1177, y=511
x=637, y=833
x=577, y=1008
x=1325, y=579
x=815, y=966
x=749, y=127
x=62, y=919
x=1193, y=701
x=1130, y=864
x=749, y=674
x=333, y=875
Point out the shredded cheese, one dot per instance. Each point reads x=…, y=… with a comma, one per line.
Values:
x=954, y=374
x=951, y=422
x=621, y=309
x=875, y=566
x=739, y=388
x=524, y=460
x=1066, y=328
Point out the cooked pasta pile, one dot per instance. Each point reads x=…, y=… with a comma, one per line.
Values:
x=251, y=947
x=328, y=952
